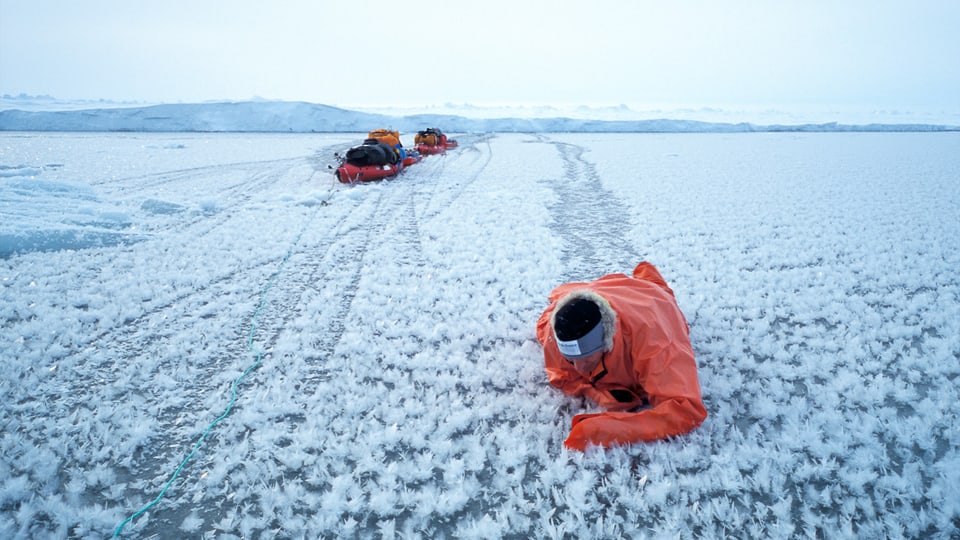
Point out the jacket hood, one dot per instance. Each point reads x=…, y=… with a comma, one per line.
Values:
x=608, y=317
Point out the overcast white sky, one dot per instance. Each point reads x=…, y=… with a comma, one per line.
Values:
x=805, y=53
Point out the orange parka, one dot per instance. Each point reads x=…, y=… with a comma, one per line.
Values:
x=650, y=389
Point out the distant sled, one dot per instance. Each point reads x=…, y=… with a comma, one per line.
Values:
x=431, y=149
x=433, y=141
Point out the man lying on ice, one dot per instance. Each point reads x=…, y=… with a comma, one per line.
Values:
x=622, y=342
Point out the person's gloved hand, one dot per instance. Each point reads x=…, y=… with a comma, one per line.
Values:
x=602, y=429
x=583, y=431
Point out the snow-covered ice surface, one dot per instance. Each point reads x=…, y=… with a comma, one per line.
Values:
x=400, y=390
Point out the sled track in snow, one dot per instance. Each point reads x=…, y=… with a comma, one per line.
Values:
x=133, y=185
x=328, y=262
x=312, y=297
x=111, y=355
x=594, y=225
x=227, y=186
x=332, y=269
x=180, y=304
x=332, y=266
x=332, y=272
x=407, y=234
x=192, y=376
x=473, y=155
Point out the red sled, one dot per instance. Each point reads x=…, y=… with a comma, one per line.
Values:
x=348, y=173
x=431, y=149
x=432, y=141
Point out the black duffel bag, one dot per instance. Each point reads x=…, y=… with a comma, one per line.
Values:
x=372, y=152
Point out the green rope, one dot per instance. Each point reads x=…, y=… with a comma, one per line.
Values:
x=236, y=382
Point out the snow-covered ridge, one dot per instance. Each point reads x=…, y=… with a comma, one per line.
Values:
x=302, y=117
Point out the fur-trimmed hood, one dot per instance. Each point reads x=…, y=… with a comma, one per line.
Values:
x=607, y=315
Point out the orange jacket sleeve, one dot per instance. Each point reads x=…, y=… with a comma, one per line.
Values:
x=673, y=417
x=676, y=406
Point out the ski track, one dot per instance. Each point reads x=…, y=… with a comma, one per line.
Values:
x=315, y=289
x=594, y=225
x=475, y=153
